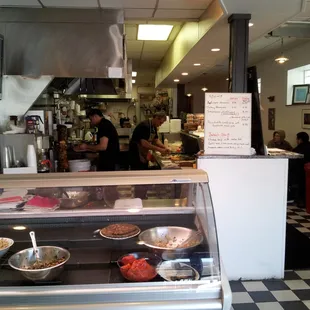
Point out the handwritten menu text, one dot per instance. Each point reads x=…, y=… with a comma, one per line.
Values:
x=228, y=123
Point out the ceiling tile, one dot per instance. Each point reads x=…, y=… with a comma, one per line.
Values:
x=152, y=46
x=31, y=3
x=175, y=14
x=138, y=13
x=70, y=3
x=184, y=4
x=133, y=55
x=152, y=56
x=131, y=32
x=128, y=4
x=134, y=46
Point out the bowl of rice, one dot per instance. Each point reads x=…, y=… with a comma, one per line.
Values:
x=5, y=244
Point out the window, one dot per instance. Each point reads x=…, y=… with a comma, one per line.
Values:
x=307, y=76
x=259, y=84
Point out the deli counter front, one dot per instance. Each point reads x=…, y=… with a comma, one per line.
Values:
x=110, y=241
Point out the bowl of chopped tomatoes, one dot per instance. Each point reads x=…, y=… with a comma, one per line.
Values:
x=139, y=266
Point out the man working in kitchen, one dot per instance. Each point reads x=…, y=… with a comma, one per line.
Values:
x=144, y=139
x=107, y=142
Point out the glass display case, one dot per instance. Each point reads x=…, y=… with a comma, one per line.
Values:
x=121, y=240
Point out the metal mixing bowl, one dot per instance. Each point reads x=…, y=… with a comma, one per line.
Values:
x=171, y=242
x=27, y=258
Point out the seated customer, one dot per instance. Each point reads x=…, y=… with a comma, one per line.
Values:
x=279, y=142
x=303, y=146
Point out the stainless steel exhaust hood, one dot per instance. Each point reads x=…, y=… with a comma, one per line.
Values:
x=68, y=43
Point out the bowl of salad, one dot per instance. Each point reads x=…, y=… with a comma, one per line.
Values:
x=139, y=266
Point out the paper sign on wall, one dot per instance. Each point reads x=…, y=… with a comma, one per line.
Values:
x=227, y=124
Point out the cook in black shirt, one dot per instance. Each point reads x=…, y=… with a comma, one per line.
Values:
x=107, y=142
x=145, y=138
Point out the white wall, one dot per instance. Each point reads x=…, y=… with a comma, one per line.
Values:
x=274, y=83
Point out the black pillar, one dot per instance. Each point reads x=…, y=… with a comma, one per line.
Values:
x=238, y=52
x=181, y=98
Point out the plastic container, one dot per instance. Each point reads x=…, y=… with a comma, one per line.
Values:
x=79, y=165
x=31, y=156
x=175, y=125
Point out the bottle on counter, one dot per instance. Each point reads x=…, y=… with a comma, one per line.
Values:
x=166, y=143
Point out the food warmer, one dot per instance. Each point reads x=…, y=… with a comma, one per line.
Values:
x=91, y=279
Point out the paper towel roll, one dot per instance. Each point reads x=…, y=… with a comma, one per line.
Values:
x=175, y=125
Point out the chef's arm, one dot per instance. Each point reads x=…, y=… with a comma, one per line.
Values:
x=159, y=143
x=150, y=146
x=101, y=146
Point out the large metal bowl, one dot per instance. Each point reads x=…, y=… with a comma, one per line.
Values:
x=171, y=242
x=26, y=258
x=75, y=199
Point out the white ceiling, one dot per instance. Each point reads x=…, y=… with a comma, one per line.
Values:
x=147, y=55
x=264, y=21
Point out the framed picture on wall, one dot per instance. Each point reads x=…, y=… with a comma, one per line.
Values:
x=272, y=119
x=305, y=119
x=300, y=94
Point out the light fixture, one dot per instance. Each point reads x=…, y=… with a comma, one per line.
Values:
x=19, y=227
x=176, y=80
x=154, y=32
x=184, y=73
x=134, y=74
x=204, y=89
x=251, y=24
x=189, y=95
x=133, y=81
x=215, y=49
x=227, y=79
x=197, y=65
x=282, y=59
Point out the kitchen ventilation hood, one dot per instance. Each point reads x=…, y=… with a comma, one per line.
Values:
x=68, y=44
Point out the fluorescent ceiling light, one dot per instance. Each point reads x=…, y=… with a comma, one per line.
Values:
x=176, y=80
x=184, y=73
x=19, y=227
x=134, y=73
x=197, y=65
x=215, y=49
x=154, y=32
x=251, y=24
x=133, y=81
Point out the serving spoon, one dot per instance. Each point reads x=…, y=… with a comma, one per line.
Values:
x=35, y=247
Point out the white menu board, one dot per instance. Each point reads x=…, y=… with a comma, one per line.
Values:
x=227, y=124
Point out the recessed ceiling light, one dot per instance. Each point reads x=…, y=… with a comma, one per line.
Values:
x=154, y=32
x=197, y=65
x=215, y=49
x=227, y=79
x=184, y=73
x=176, y=80
x=251, y=24
x=189, y=95
x=133, y=81
x=134, y=74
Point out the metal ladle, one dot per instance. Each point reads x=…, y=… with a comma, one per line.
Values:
x=35, y=247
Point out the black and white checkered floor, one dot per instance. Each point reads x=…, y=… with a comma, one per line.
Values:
x=292, y=293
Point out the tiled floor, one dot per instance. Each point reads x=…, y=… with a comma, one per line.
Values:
x=292, y=293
